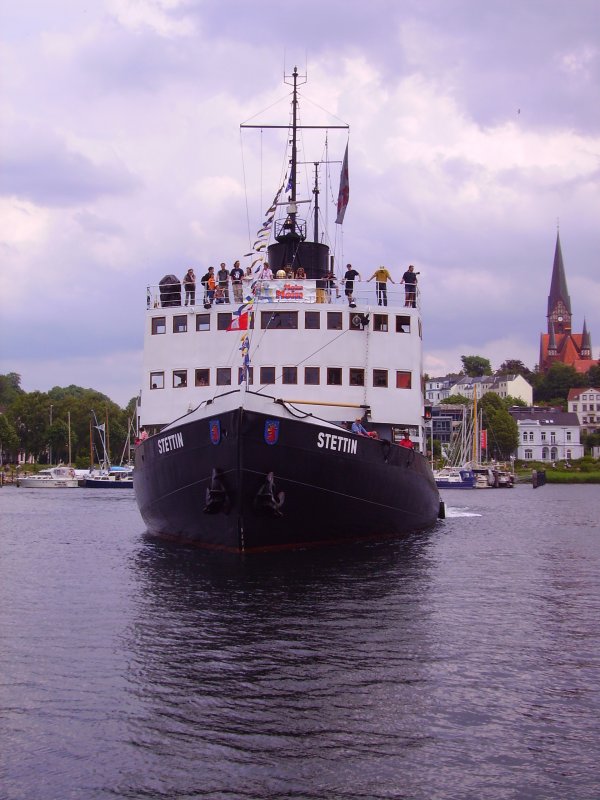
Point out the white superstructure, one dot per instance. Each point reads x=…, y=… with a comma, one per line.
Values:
x=326, y=354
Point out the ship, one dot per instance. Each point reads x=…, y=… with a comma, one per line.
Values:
x=274, y=420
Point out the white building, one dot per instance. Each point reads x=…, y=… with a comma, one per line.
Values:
x=547, y=434
x=503, y=385
x=437, y=389
x=586, y=404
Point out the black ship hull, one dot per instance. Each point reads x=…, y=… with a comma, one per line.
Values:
x=244, y=481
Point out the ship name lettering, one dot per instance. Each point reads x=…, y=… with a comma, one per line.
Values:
x=343, y=444
x=172, y=442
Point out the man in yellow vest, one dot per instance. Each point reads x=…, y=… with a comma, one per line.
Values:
x=382, y=276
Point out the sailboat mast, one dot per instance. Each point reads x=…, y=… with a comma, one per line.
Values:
x=475, y=425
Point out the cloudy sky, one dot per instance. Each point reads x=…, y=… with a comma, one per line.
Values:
x=474, y=127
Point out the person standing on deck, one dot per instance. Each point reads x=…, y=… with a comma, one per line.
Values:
x=382, y=276
x=189, y=284
x=409, y=279
x=236, y=275
x=223, y=281
x=349, y=277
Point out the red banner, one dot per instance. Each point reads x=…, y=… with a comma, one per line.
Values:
x=483, y=439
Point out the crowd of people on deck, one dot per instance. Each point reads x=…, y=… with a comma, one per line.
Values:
x=232, y=285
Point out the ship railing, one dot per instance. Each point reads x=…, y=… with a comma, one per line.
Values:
x=283, y=291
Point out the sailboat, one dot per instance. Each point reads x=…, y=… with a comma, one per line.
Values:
x=108, y=476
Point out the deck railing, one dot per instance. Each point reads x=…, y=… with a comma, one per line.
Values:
x=282, y=291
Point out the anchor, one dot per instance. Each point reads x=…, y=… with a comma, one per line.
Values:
x=216, y=496
x=266, y=500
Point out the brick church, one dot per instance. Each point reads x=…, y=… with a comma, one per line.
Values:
x=560, y=343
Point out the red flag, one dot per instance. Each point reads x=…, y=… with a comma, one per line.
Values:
x=484, y=439
x=239, y=323
x=344, y=192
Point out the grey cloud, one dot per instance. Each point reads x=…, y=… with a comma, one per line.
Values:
x=46, y=172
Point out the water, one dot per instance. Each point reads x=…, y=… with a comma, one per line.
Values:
x=461, y=663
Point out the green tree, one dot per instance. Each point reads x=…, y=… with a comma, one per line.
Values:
x=456, y=399
x=503, y=432
x=593, y=376
x=513, y=401
x=513, y=366
x=10, y=388
x=476, y=366
x=557, y=381
x=9, y=441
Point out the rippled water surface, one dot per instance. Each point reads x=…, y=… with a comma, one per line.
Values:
x=460, y=663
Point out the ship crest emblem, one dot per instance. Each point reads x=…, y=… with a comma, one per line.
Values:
x=215, y=431
x=272, y=431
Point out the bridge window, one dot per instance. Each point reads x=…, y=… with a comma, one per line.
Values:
x=402, y=324
x=312, y=376
x=334, y=320
x=157, y=380
x=357, y=377
x=202, y=377
x=380, y=322
x=180, y=323
x=250, y=371
x=312, y=320
x=403, y=379
x=380, y=378
x=223, y=376
x=267, y=375
x=334, y=376
x=159, y=325
x=287, y=320
x=202, y=322
x=290, y=375
x=179, y=378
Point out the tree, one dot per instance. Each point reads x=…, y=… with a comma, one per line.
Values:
x=456, y=399
x=557, y=381
x=503, y=432
x=10, y=388
x=476, y=366
x=513, y=366
x=513, y=401
x=9, y=441
x=593, y=376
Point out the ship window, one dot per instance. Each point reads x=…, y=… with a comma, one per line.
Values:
x=202, y=377
x=288, y=320
x=311, y=376
x=380, y=378
x=159, y=325
x=157, y=380
x=312, y=320
x=290, y=375
x=402, y=324
x=420, y=330
x=357, y=377
x=250, y=375
x=334, y=320
x=179, y=378
x=403, y=379
x=180, y=323
x=202, y=322
x=223, y=321
x=334, y=376
x=380, y=322
x=267, y=375
x=223, y=376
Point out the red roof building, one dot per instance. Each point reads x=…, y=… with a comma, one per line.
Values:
x=560, y=344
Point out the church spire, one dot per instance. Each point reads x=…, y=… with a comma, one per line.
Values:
x=559, y=302
x=586, y=342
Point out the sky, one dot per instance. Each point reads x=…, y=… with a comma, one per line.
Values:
x=474, y=135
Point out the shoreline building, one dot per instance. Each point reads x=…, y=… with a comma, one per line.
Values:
x=560, y=344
